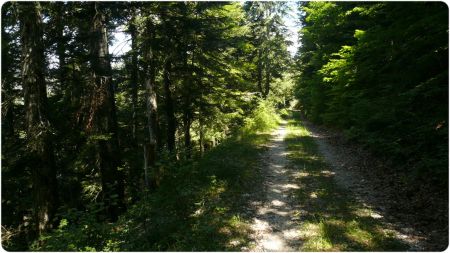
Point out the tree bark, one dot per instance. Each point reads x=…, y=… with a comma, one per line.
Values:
x=152, y=108
x=201, y=134
x=260, y=70
x=171, y=121
x=60, y=45
x=38, y=126
x=134, y=172
x=134, y=75
x=267, y=80
x=102, y=122
x=187, y=110
x=7, y=119
x=187, y=121
x=267, y=61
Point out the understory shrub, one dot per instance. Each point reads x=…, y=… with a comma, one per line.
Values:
x=263, y=118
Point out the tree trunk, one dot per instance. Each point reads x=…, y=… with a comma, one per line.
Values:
x=187, y=114
x=134, y=172
x=201, y=135
x=7, y=119
x=78, y=90
x=60, y=45
x=152, y=107
x=134, y=75
x=171, y=121
x=267, y=83
x=260, y=74
x=187, y=120
x=266, y=59
x=102, y=120
x=38, y=126
x=146, y=181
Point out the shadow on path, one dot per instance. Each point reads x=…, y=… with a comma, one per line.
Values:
x=275, y=224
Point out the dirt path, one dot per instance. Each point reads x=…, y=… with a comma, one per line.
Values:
x=345, y=167
x=274, y=227
x=277, y=223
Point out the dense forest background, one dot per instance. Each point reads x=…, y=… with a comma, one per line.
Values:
x=380, y=72
x=114, y=153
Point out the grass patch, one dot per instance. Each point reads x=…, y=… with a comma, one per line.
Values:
x=202, y=206
x=332, y=220
x=220, y=221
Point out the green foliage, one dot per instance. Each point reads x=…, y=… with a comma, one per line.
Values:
x=269, y=54
x=284, y=113
x=263, y=118
x=77, y=231
x=282, y=90
x=384, y=83
x=198, y=206
x=210, y=77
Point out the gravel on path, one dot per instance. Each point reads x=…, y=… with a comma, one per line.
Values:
x=274, y=226
x=347, y=167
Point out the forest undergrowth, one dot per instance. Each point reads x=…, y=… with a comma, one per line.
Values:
x=143, y=125
x=201, y=205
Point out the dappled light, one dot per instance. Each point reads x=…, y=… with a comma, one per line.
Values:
x=274, y=226
x=224, y=126
x=336, y=221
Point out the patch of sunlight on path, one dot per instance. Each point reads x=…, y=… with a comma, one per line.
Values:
x=275, y=228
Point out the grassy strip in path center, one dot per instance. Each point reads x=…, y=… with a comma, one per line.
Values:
x=330, y=219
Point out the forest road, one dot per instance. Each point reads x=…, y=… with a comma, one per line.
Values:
x=275, y=227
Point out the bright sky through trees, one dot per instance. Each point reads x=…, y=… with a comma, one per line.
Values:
x=293, y=26
x=122, y=42
x=159, y=125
